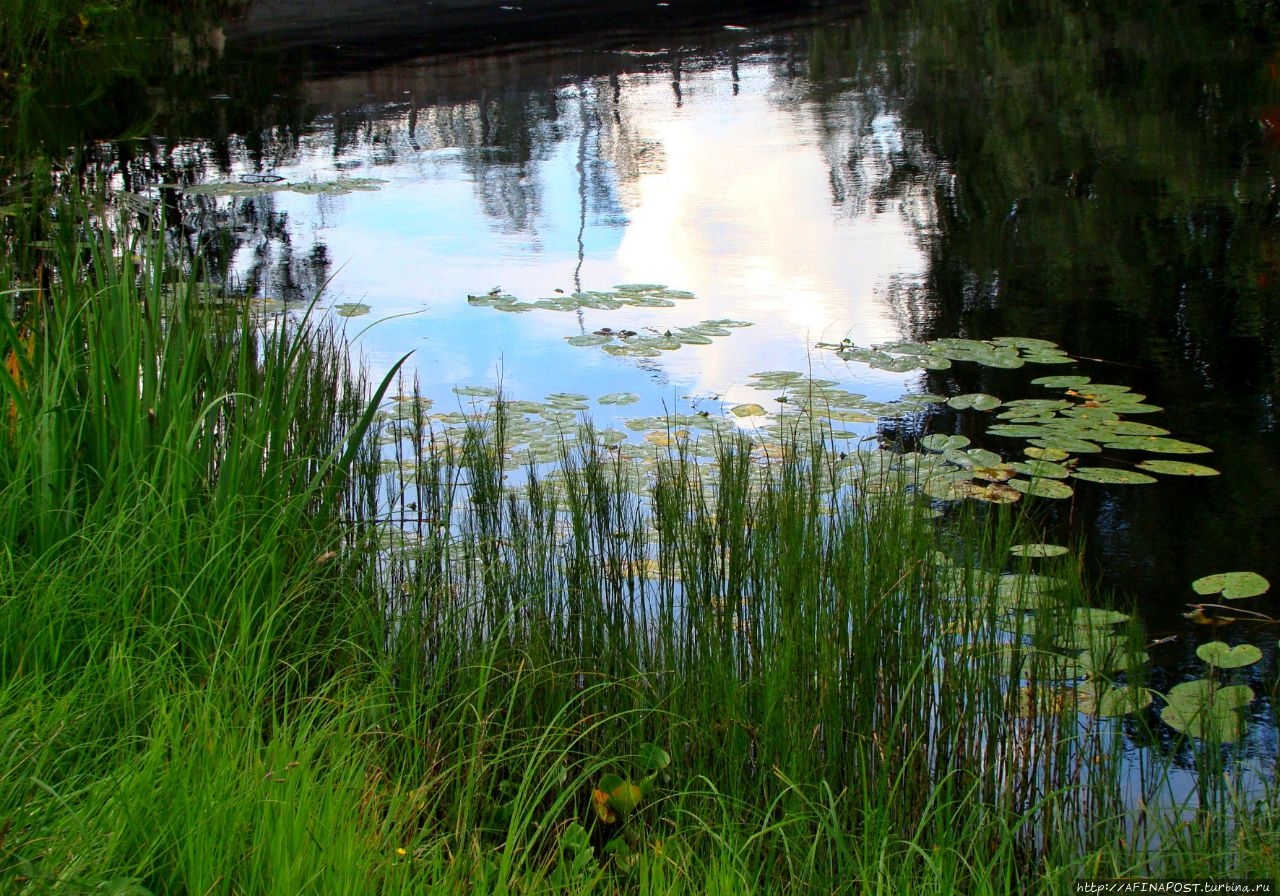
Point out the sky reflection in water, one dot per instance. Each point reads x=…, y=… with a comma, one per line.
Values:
x=723, y=187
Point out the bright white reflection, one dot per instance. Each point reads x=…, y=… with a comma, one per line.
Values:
x=727, y=194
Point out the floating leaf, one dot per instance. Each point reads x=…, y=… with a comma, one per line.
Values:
x=1070, y=445
x=1203, y=709
x=351, y=309
x=1232, y=585
x=1061, y=382
x=1052, y=455
x=979, y=401
x=1037, y=550
x=1217, y=653
x=1041, y=469
x=1155, y=444
x=1043, y=488
x=589, y=339
x=748, y=410
x=943, y=442
x=1176, y=468
x=1112, y=476
x=1107, y=702
x=619, y=398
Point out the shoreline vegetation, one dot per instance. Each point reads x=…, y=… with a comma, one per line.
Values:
x=263, y=632
x=227, y=670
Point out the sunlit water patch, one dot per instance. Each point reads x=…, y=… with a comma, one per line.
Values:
x=718, y=186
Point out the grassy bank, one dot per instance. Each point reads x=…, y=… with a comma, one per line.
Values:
x=226, y=669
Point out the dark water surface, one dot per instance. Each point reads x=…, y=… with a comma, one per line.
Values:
x=1101, y=177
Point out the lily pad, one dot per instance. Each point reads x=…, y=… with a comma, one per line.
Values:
x=1061, y=382
x=1042, y=488
x=1156, y=445
x=1176, y=468
x=1053, y=455
x=979, y=401
x=748, y=410
x=351, y=309
x=619, y=398
x=1224, y=656
x=943, y=442
x=1232, y=585
x=1037, y=550
x=1107, y=702
x=1206, y=710
x=1062, y=443
x=1112, y=476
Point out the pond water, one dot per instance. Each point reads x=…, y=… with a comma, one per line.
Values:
x=1103, y=180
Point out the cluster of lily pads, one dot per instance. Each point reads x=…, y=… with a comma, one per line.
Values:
x=652, y=342
x=1084, y=661
x=1006, y=352
x=640, y=295
x=251, y=185
x=619, y=341
x=1089, y=418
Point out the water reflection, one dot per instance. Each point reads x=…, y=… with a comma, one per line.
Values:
x=723, y=187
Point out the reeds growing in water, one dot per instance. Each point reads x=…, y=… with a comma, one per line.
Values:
x=266, y=630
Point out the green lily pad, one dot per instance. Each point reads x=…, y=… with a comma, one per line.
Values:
x=748, y=410
x=1112, y=476
x=1062, y=443
x=1176, y=468
x=1232, y=585
x=1042, y=488
x=1061, y=382
x=1224, y=656
x=979, y=401
x=1203, y=709
x=942, y=442
x=1041, y=469
x=1108, y=702
x=1037, y=550
x=1155, y=444
x=619, y=398
x=589, y=339
x=351, y=309
x=1053, y=455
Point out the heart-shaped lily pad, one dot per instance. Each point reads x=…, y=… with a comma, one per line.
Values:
x=1232, y=585
x=1203, y=709
x=1224, y=656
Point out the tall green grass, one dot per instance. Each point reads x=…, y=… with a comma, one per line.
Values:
x=246, y=650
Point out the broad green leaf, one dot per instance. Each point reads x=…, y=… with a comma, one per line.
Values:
x=748, y=410
x=653, y=758
x=1232, y=585
x=619, y=398
x=1100, y=699
x=979, y=401
x=1070, y=445
x=1217, y=653
x=1042, y=488
x=1112, y=476
x=1041, y=469
x=1037, y=550
x=1176, y=468
x=1061, y=382
x=1155, y=444
x=1206, y=710
x=1050, y=454
x=943, y=442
